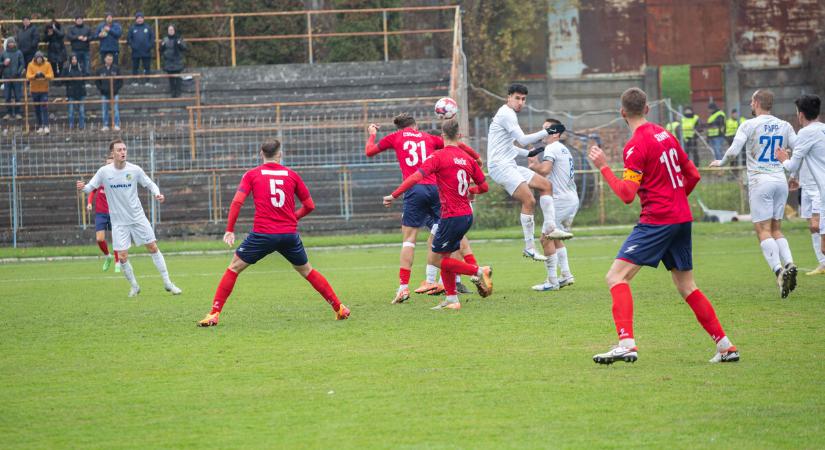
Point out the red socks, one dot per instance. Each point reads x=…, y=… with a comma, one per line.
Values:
x=404, y=275
x=457, y=267
x=470, y=259
x=322, y=286
x=705, y=314
x=448, y=279
x=224, y=290
x=103, y=247
x=622, y=310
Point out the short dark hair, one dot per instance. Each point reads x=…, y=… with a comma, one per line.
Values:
x=449, y=129
x=517, y=88
x=765, y=99
x=109, y=54
x=809, y=105
x=553, y=121
x=634, y=101
x=112, y=144
x=271, y=148
x=403, y=120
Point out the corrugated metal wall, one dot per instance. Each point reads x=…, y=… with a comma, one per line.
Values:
x=774, y=33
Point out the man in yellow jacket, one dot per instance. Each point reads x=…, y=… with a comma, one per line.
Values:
x=39, y=73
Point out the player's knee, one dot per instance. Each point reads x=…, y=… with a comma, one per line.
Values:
x=304, y=270
x=123, y=257
x=613, y=278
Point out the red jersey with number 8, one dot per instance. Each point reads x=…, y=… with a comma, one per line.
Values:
x=654, y=158
x=412, y=148
x=274, y=188
x=453, y=170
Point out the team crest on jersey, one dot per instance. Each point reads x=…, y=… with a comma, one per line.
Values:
x=128, y=177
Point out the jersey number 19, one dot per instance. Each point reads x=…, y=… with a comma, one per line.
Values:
x=673, y=167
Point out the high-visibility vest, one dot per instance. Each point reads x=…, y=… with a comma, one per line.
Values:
x=689, y=126
x=672, y=127
x=714, y=131
x=731, y=125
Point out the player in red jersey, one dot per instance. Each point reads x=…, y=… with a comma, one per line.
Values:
x=103, y=222
x=274, y=229
x=453, y=171
x=655, y=167
x=421, y=205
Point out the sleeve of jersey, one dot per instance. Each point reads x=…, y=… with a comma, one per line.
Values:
x=518, y=135
x=371, y=149
x=438, y=141
x=736, y=146
x=235, y=210
x=307, y=205
x=691, y=174
x=469, y=151
x=147, y=182
x=89, y=197
x=411, y=181
x=625, y=188
x=481, y=183
x=803, y=147
x=93, y=184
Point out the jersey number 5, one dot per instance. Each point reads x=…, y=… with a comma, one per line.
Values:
x=673, y=167
x=412, y=148
x=278, y=195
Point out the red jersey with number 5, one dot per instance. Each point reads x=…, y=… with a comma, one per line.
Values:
x=274, y=188
x=654, y=158
x=453, y=170
x=412, y=148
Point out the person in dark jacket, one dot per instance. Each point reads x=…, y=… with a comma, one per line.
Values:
x=13, y=66
x=141, y=40
x=171, y=50
x=27, y=39
x=54, y=35
x=79, y=36
x=75, y=91
x=108, y=32
x=109, y=69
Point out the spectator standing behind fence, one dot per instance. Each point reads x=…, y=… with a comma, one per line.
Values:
x=54, y=35
x=171, y=49
x=14, y=66
x=75, y=91
x=141, y=40
x=716, y=130
x=79, y=36
x=689, y=125
x=39, y=73
x=27, y=39
x=108, y=33
x=109, y=69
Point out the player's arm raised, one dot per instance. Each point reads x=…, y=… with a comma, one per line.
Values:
x=625, y=188
x=372, y=149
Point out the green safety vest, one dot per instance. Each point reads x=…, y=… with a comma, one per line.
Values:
x=714, y=131
x=731, y=125
x=672, y=127
x=689, y=126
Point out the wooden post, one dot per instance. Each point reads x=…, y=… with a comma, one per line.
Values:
x=232, y=38
x=157, y=44
x=386, y=40
x=112, y=100
x=198, y=99
x=309, y=36
x=191, y=134
x=25, y=103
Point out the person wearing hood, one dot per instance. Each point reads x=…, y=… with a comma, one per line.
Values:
x=13, y=66
x=75, y=91
x=690, y=122
x=57, y=49
x=141, y=40
x=79, y=36
x=39, y=73
x=28, y=38
x=172, y=49
x=716, y=130
x=108, y=32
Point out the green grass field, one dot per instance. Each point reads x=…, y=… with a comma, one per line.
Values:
x=83, y=366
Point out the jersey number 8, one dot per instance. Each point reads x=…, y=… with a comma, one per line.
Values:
x=463, y=184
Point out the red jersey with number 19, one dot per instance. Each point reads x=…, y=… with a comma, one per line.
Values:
x=274, y=188
x=453, y=170
x=654, y=158
x=412, y=148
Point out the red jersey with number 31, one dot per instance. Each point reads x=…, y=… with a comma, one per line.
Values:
x=412, y=148
x=274, y=188
x=654, y=158
x=453, y=170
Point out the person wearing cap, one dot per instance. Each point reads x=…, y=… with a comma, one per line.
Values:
x=39, y=73
x=57, y=48
x=28, y=38
x=79, y=36
x=141, y=40
x=13, y=66
x=108, y=32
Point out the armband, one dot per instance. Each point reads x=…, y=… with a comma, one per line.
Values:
x=632, y=175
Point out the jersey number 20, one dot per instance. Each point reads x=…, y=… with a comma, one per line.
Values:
x=412, y=147
x=770, y=143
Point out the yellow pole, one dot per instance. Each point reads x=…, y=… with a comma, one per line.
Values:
x=386, y=40
x=157, y=44
x=191, y=134
x=232, y=38
x=309, y=35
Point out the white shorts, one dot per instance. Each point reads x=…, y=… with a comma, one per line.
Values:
x=810, y=202
x=566, y=209
x=141, y=232
x=767, y=200
x=510, y=176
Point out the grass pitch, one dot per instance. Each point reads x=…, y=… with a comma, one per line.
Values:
x=83, y=366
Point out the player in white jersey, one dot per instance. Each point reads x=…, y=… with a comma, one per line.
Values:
x=760, y=137
x=120, y=180
x=557, y=165
x=809, y=154
x=518, y=180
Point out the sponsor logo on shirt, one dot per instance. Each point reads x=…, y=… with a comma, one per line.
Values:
x=661, y=136
x=117, y=186
x=411, y=134
x=460, y=161
x=129, y=177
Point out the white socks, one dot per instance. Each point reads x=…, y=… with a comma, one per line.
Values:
x=563, y=264
x=432, y=271
x=452, y=299
x=815, y=239
x=771, y=252
x=784, y=250
x=723, y=344
x=552, y=261
x=529, y=228
x=549, y=213
x=160, y=263
x=627, y=343
x=126, y=267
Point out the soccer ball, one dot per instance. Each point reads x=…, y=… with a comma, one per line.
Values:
x=446, y=108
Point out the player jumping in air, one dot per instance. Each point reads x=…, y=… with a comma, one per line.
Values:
x=557, y=165
x=655, y=167
x=518, y=180
x=453, y=170
x=102, y=222
x=129, y=222
x=274, y=229
x=421, y=205
x=761, y=136
x=810, y=153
